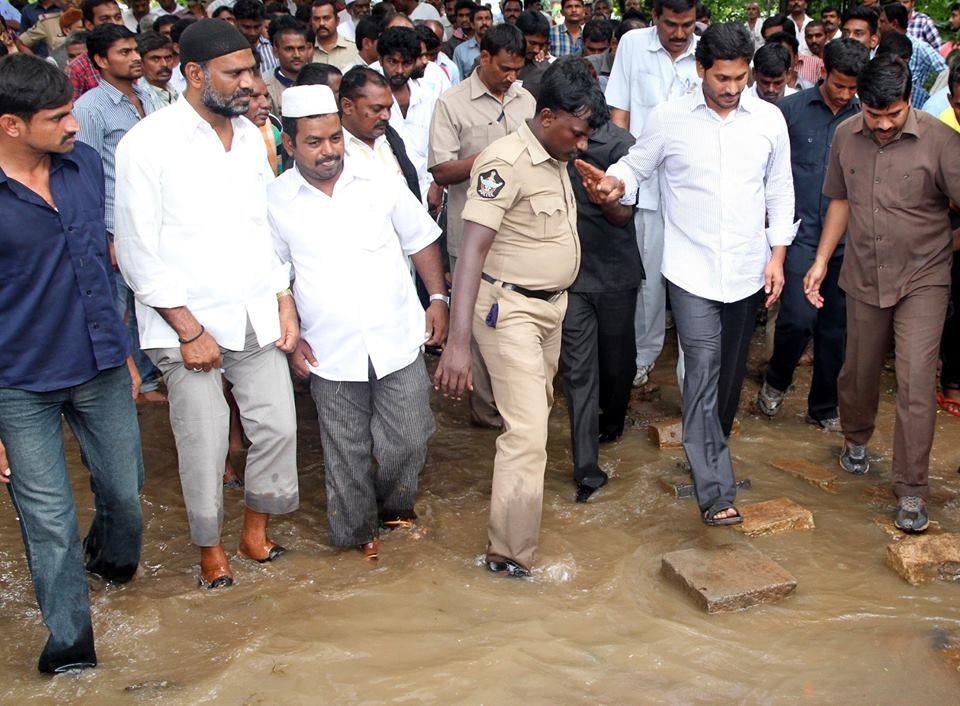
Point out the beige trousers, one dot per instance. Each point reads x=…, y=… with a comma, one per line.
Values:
x=521, y=352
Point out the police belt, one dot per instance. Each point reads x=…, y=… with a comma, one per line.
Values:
x=532, y=293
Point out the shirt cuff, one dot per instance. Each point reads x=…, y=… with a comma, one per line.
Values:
x=429, y=238
x=625, y=174
x=483, y=214
x=782, y=235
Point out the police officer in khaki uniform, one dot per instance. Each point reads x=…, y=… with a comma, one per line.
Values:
x=520, y=252
x=469, y=117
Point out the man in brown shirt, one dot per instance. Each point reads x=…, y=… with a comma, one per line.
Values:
x=520, y=253
x=467, y=118
x=893, y=171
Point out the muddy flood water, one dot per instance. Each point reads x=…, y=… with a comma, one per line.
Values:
x=597, y=624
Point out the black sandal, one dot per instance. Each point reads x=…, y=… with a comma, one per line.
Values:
x=710, y=517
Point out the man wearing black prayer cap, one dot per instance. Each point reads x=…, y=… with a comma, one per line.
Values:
x=212, y=297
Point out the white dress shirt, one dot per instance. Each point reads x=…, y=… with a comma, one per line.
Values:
x=347, y=251
x=644, y=76
x=787, y=91
x=380, y=154
x=801, y=38
x=191, y=227
x=414, y=128
x=721, y=178
x=449, y=68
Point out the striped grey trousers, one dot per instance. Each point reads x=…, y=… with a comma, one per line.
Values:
x=388, y=421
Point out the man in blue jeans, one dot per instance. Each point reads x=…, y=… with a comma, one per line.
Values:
x=63, y=351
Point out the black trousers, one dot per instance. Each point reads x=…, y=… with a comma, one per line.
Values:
x=797, y=322
x=598, y=353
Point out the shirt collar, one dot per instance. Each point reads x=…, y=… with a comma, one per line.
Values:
x=281, y=79
x=349, y=138
x=654, y=45
x=295, y=184
x=57, y=160
x=341, y=42
x=538, y=155
x=117, y=97
x=910, y=127
x=479, y=88
x=747, y=103
x=196, y=124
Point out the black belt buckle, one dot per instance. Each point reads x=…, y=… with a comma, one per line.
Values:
x=541, y=294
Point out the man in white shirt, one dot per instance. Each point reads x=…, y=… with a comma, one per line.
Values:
x=400, y=50
x=754, y=23
x=355, y=11
x=798, y=14
x=717, y=259
x=652, y=65
x=771, y=65
x=365, y=106
x=361, y=344
x=212, y=296
x=431, y=34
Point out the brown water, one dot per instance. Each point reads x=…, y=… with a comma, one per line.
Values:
x=596, y=624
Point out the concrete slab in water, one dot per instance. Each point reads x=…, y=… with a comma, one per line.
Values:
x=773, y=516
x=667, y=433
x=728, y=578
x=812, y=473
x=926, y=557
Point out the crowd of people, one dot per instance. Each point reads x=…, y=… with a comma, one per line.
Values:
x=209, y=205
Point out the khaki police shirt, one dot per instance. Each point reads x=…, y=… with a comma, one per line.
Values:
x=898, y=236
x=343, y=54
x=467, y=118
x=520, y=191
x=47, y=31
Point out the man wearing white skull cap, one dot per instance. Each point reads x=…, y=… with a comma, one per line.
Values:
x=363, y=325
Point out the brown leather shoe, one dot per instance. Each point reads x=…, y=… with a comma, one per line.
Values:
x=371, y=550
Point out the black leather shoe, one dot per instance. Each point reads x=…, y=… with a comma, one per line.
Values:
x=506, y=567
x=584, y=491
x=606, y=437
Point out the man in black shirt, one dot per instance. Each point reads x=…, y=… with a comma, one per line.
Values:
x=812, y=116
x=536, y=32
x=598, y=348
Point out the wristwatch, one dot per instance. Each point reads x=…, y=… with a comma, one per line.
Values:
x=440, y=298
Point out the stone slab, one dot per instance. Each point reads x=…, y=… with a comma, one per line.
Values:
x=728, y=578
x=772, y=517
x=819, y=476
x=668, y=433
x=926, y=557
x=681, y=487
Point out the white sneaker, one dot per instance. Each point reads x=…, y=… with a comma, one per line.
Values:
x=643, y=375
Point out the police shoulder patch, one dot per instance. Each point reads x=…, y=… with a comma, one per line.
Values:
x=490, y=184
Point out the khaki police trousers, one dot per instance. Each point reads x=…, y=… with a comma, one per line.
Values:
x=521, y=349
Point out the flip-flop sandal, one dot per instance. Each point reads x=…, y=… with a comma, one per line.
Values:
x=948, y=405
x=710, y=517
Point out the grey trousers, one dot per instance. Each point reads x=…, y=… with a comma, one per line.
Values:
x=715, y=337
x=387, y=420
x=652, y=299
x=200, y=419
